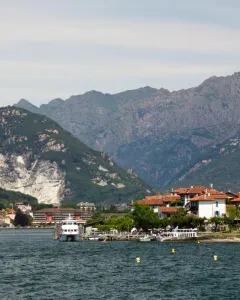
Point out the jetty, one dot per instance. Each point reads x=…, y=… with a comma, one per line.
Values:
x=179, y=234
x=57, y=231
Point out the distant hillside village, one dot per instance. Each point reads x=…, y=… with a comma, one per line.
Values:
x=199, y=201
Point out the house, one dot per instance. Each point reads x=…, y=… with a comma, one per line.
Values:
x=157, y=201
x=11, y=214
x=210, y=204
x=86, y=206
x=166, y=212
x=169, y=198
x=236, y=200
x=24, y=208
x=153, y=201
x=5, y=221
x=187, y=193
x=231, y=195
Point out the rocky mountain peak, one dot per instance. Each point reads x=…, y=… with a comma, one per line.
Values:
x=158, y=133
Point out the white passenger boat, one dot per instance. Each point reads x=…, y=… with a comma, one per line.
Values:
x=69, y=230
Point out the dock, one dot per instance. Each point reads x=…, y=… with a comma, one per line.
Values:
x=57, y=231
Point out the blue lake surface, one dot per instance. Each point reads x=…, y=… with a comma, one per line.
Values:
x=34, y=266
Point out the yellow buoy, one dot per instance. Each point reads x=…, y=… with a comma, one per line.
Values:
x=215, y=257
x=138, y=260
x=198, y=242
x=173, y=250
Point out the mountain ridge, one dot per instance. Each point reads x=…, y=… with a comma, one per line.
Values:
x=162, y=133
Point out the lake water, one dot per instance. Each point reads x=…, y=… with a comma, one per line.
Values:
x=33, y=266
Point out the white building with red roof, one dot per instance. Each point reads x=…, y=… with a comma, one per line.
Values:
x=211, y=204
x=203, y=201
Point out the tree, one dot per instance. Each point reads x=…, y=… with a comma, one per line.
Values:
x=22, y=219
x=112, y=209
x=144, y=217
x=229, y=221
x=217, y=221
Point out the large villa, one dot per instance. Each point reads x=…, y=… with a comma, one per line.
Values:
x=204, y=202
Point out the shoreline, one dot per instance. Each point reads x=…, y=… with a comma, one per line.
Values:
x=218, y=237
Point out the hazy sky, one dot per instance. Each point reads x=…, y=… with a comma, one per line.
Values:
x=59, y=48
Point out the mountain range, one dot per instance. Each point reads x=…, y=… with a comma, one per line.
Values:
x=168, y=138
x=39, y=158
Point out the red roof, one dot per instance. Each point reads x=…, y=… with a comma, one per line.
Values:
x=209, y=197
x=170, y=198
x=197, y=190
x=236, y=200
x=151, y=200
x=214, y=192
x=181, y=190
x=168, y=209
x=191, y=190
x=159, y=199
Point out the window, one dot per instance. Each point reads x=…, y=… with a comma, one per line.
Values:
x=216, y=203
x=216, y=213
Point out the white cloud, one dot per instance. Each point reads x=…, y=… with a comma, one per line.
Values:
x=177, y=36
x=162, y=27
x=120, y=68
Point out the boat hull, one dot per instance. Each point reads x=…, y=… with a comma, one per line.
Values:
x=69, y=238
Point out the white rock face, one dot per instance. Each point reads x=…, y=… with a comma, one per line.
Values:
x=101, y=168
x=40, y=179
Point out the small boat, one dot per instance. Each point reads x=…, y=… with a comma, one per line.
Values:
x=93, y=238
x=145, y=238
x=69, y=231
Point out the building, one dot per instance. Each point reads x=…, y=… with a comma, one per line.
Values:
x=157, y=201
x=52, y=215
x=86, y=206
x=11, y=214
x=211, y=204
x=24, y=208
x=236, y=200
x=166, y=212
x=187, y=193
x=153, y=201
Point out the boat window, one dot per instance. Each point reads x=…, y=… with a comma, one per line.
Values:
x=69, y=223
x=64, y=223
x=74, y=223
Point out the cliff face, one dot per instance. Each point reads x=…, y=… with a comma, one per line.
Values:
x=38, y=178
x=159, y=134
x=39, y=158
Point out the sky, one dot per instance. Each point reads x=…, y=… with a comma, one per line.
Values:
x=58, y=48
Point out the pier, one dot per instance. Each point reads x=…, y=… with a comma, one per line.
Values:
x=57, y=231
x=179, y=234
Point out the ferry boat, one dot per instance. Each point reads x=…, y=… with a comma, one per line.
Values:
x=69, y=230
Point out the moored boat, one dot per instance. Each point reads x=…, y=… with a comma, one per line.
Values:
x=145, y=238
x=69, y=231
